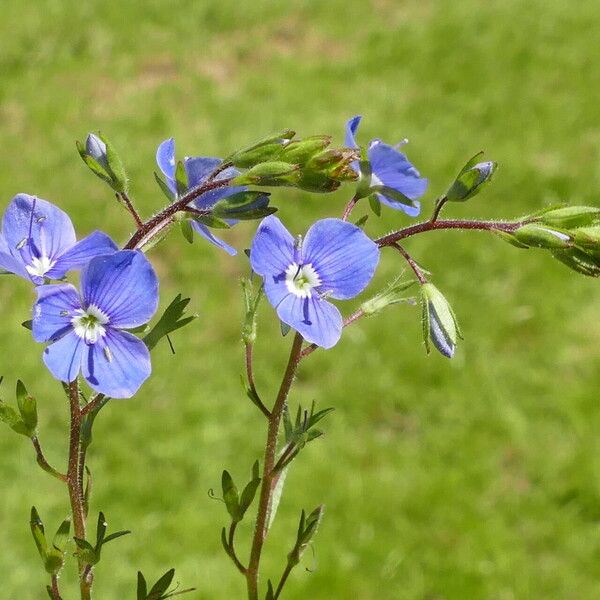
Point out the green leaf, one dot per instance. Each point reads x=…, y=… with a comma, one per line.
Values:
x=212, y=221
x=37, y=530
x=9, y=416
x=142, y=587
x=285, y=328
x=230, y=496
x=61, y=537
x=249, y=492
x=172, y=319
x=100, y=530
x=28, y=408
x=238, y=205
x=86, y=551
x=114, y=536
x=27, y=324
x=270, y=592
x=276, y=498
x=363, y=189
x=361, y=221
x=161, y=586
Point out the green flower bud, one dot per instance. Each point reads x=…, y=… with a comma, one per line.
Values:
x=471, y=179
x=579, y=261
x=568, y=217
x=392, y=294
x=269, y=173
x=265, y=150
x=103, y=160
x=587, y=237
x=543, y=237
x=301, y=151
x=439, y=322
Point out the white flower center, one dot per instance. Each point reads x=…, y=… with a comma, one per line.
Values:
x=301, y=279
x=39, y=266
x=89, y=324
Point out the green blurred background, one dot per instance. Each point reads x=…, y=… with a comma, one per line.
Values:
x=473, y=478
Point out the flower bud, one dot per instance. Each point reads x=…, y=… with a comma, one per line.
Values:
x=439, y=322
x=102, y=159
x=301, y=151
x=587, y=237
x=269, y=173
x=542, y=237
x=267, y=149
x=392, y=294
x=568, y=217
x=579, y=261
x=96, y=148
x=471, y=179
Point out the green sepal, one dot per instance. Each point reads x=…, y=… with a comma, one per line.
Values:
x=392, y=294
x=164, y=187
x=181, y=178
x=88, y=421
x=274, y=173
x=93, y=165
x=471, y=179
x=436, y=307
x=361, y=222
x=240, y=206
x=363, y=189
x=587, y=237
x=276, y=138
x=9, y=416
x=568, y=217
x=543, y=237
x=394, y=195
x=28, y=409
x=250, y=158
x=316, y=182
x=55, y=556
x=231, y=497
x=270, y=591
x=375, y=204
x=579, y=261
x=27, y=324
x=171, y=320
x=510, y=238
x=285, y=328
x=307, y=529
x=299, y=152
x=115, y=166
x=61, y=537
x=187, y=231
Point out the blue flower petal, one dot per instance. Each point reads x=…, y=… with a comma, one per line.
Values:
x=53, y=311
x=43, y=231
x=96, y=148
x=95, y=244
x=165, y=158
x=272, y=249
x=9, y=263
x=63, y=357
x=199, y=168
x=318, y=321
x=342, y=255
x=351, y=127
x=207, y=234
x=117, y=364
x=123, y=285
x=394, y=170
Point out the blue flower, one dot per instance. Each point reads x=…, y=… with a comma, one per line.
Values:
x=389, y=169
x=86, y=331
x=335, y=260
x=197, y=170
x=38, y=241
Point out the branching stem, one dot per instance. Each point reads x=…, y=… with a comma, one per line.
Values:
x=41, y=460
x=268, y=480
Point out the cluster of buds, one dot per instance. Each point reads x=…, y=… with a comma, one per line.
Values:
x=309, y=164
x=571, y=234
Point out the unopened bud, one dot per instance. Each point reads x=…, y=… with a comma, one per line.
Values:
x=96, y=148
x=301, y=151
x=471, y=179
x=269, y=173
x=568, y=217
x=267, y=149
x=392, y=294
x=579, y=261
x=542, y=237
x=439, y=322
x=102, y=159
x=588, y=237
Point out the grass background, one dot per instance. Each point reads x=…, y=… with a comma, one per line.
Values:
x=443, y=480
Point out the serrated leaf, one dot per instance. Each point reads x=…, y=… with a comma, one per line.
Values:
x=171, y=320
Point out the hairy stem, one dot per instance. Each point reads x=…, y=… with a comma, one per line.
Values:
x=155, y=224
x=129, y=205
x=269, y=477
x=75, y=491
x=55, y=591
x=412, y=264
x=391, y=238
x=349, y=208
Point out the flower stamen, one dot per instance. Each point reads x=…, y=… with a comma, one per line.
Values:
x=300, y=279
